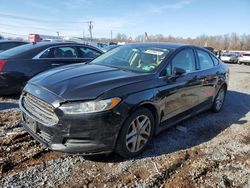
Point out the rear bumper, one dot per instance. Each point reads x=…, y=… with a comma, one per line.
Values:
x=10, y=83
x=244, y=61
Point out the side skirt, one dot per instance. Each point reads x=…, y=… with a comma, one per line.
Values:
x=184, y=115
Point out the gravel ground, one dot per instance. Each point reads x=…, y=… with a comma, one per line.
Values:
x=208, y=150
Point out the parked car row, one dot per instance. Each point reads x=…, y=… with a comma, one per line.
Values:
x=19, y=64
x=235, y=57
x=244, y=59
x=229, y=57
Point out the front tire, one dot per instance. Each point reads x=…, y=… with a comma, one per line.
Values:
x=219, y=100
x=136, y=133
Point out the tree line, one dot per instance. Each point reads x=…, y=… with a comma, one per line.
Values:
x=231, y=41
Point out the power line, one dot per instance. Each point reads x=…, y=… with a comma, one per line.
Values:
x=10, y=25
x=51, y=29
x=46, y=21
x=7, y=33
x=26, y=35
x=40, y=20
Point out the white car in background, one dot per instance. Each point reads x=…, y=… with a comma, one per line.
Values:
x=229, y=57
x=244, y=59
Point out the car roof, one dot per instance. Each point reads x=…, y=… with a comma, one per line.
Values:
x=31, y=49
x=48, y=44
x=158, y=44
x=173, y=46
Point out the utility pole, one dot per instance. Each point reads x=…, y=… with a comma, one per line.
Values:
x=146, y=38
x=111, y=35
x=90, y=30
x=57, y=34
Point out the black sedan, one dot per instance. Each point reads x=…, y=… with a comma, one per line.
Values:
x=8, y=44
x=119, y=101
x=21, y=63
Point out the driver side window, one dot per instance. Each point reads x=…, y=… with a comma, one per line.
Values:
x=185, y=59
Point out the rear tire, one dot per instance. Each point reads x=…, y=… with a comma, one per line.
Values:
x=136, y=133
x=219, y=99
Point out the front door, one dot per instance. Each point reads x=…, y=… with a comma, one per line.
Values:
x=179, y=93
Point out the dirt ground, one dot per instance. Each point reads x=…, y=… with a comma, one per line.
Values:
x=208, y=150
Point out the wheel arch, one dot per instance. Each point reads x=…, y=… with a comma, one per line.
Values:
x=153, y=110
x=151, y=107
x=224, y=85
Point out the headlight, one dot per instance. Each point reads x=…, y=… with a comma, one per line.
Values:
x=90, y=106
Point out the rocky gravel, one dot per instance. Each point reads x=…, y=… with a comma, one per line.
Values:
x=208, y=150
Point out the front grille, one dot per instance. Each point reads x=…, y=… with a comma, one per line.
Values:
x=40, y=110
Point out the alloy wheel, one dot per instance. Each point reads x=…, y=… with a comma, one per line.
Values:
x=138, y=133
x=220, y=99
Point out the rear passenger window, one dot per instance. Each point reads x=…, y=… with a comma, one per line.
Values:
x=65, y=52
x=206, y=61
x=60, y=52
x=45, y=54
x=215, y=60
x=86, y=52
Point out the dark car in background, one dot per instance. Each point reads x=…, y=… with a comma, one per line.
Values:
x=108, y=48
x=120, y=100
x=8, y=44
x=19, y=64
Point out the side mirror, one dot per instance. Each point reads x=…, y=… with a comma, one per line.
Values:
x=178, y=71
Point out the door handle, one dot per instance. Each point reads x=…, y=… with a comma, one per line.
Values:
x=55, y=64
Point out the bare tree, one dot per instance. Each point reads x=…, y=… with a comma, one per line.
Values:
x=235, y=41
x=231, y=41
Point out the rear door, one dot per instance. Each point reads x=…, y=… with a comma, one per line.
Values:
x=64, y=55
x=47, y=58
x=87, y=53
x=208, y=76
x=59, y=56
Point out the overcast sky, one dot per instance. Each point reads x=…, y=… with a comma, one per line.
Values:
x=185, y=18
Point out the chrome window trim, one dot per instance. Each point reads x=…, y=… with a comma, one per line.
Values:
x=64, y=45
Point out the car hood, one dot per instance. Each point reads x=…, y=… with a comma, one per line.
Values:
x=80, y=82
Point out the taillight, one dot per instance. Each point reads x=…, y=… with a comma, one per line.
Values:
x=2, y=63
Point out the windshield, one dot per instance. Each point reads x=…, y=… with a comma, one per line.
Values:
x=140, y=59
